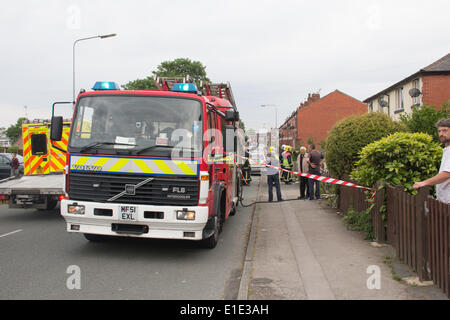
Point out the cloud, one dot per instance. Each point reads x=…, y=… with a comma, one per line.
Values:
x=271, y=51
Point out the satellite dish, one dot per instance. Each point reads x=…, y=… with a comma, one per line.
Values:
x=382, y=103
x=414, y=92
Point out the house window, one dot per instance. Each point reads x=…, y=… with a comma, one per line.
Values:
x=371, y=107
x=400, y=100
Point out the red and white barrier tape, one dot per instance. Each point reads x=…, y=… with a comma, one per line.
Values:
x=315, y=177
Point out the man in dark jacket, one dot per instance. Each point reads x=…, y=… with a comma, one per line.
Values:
x=15, y=166
x=314, y=162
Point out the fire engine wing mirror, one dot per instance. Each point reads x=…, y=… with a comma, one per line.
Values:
x=56, y=129
x=231, y=115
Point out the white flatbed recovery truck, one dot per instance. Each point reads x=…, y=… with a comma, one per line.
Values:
x=34, y=191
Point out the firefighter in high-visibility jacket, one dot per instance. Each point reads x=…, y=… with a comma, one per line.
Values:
x=246, y=169
x=287, y=164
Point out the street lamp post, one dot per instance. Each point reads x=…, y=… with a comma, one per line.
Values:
x=73, y=56
x=276, y=113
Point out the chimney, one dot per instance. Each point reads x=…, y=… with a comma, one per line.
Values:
x=315, y=97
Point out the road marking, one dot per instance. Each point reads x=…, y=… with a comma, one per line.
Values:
x=8, y=234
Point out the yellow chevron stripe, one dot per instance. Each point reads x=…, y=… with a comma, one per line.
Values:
x=82, y=161
x=163, y=166
x=141, y=164
x=101, y=162
x=184, y=167
x=119, y=165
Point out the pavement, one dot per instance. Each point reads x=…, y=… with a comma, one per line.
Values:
x=301, y=250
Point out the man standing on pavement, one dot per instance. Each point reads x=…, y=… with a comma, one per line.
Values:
x=273, y=176
x=15, y=166
x=314, y=168
x=442, y=179
x=302, y=167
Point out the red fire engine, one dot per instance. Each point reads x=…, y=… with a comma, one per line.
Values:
x=151, y=164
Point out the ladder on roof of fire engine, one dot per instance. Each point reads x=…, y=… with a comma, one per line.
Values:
x=166, y=83
x=220, y=90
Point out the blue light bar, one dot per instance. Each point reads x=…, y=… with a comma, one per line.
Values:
x=184, y=87
x=106, y=85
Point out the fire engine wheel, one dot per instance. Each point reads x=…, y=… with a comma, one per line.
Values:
x=233, y=211
x=95, y=237
x=51, y=204
x=211, y=242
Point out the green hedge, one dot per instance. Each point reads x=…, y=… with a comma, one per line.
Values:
x=399, y=159
x=347, y=138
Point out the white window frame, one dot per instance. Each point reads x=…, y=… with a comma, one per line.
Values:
x=400, y=99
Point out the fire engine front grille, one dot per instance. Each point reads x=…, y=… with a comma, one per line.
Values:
x=162, y=190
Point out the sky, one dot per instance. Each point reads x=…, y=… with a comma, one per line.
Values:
x=271, y=52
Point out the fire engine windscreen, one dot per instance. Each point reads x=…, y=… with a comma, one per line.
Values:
x=138, y=124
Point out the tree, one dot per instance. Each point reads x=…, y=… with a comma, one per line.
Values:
x=242, y=125
x=141, y=84
x=14, y=131
x=424, y=118
x=180, y=67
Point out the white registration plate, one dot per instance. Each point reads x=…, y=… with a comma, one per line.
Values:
x=128, y=213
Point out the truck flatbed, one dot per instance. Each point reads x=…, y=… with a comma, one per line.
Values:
x=37, y=184
x=36, y=191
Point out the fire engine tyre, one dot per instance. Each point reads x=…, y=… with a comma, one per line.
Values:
x=216, y=222
x=51, y=204
x=95, y=237
x=211, y=242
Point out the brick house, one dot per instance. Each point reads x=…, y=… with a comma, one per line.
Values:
x=317, y=116
x=288, y=131
x=430, y=85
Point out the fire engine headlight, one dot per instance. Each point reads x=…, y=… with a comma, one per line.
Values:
x=75, y=209
x=185, y=215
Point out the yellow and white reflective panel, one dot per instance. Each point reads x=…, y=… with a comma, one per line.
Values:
x=179, y=167
x=221, y=159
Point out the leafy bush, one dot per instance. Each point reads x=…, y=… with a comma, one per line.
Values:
x=347, y=138
x=424, y=118
x=360, y=221
x=399, y=159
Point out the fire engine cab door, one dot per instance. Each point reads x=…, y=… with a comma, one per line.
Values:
x=36, y=152
x=224, y=165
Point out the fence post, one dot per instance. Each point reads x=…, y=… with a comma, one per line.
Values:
x=345, y=196
x=422, y=233
x=377, y=219
x=390, y=211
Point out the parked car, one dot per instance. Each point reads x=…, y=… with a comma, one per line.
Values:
x=5, y=165
x=256, y=158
